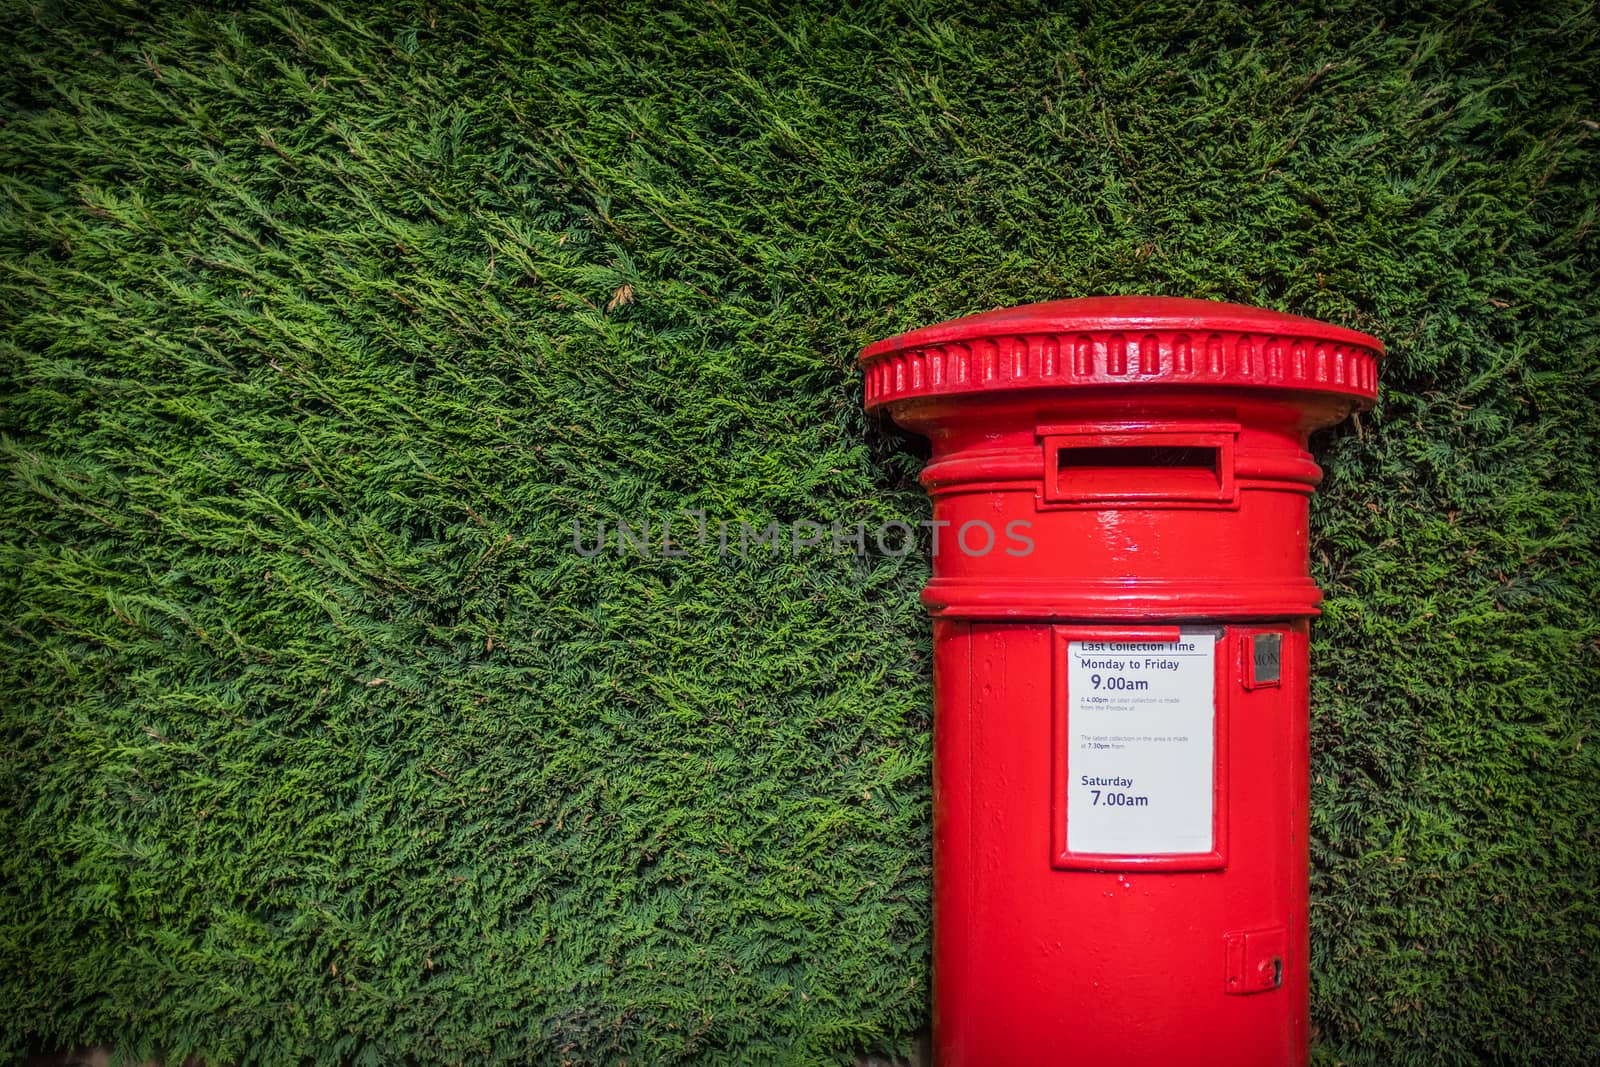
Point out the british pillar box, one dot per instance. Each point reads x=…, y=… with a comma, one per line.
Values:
x=1121, y=599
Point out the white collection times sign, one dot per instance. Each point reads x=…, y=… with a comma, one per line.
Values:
x=1141, y=734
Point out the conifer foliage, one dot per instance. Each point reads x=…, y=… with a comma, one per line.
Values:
x=321, y=325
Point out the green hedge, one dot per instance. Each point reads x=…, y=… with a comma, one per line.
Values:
x=323, y=325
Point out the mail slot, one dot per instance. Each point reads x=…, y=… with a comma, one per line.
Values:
x=1140, y=465
x=1121, y=724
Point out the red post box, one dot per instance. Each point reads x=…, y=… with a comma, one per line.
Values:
x=1121, y=599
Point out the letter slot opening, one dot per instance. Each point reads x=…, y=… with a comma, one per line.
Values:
x=1144, y=468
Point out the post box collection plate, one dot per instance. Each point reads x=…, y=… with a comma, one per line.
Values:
x=1121, y=729
x=1136, y=733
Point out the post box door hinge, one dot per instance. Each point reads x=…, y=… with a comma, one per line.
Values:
x=1255, y=960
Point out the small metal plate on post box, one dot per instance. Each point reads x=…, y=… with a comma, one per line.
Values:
x=1255, y=960
x=1266, y=660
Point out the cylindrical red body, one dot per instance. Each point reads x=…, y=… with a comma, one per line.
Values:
x=1121, y=600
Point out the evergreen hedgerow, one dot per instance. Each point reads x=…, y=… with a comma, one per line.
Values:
x=321, y=326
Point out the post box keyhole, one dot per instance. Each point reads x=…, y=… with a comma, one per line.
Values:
x=1255, y=961
x=1271, y=972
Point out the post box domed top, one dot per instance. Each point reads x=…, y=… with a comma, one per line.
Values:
x=1127, y=342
